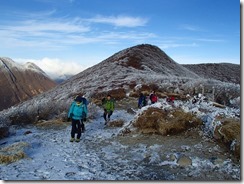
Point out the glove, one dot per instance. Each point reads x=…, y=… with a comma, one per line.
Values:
x=85, y=119
x=68, y=119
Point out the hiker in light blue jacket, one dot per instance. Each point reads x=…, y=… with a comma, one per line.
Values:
x=77, y=112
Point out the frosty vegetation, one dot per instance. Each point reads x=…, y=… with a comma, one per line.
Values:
x=124, y=75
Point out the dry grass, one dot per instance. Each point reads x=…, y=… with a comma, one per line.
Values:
x=116, y=123
x=116, y=94
x=133, y=61
x=13, y=153
x=229, y=131
x=155, y=120
x=52, y=124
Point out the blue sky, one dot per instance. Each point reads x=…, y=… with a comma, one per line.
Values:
x=67, y=36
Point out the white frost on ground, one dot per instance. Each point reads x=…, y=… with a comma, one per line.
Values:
x=52, y=157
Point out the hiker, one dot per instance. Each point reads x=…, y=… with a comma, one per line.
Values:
x=153, y=97
x=77, y=112
x=108, y=106
x=170, y=100
x=142, y=101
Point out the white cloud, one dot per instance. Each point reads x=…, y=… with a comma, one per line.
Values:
x=49, y=33
x=175, y=45
x=210, y=40
x=120, y=21
x=189, y=27
x=55, y=67
x=44, y=28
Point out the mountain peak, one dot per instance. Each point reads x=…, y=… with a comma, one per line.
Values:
x=137, y=56
x=21, y=82
x=149, y=58
x=10, y=64
x=34, y=67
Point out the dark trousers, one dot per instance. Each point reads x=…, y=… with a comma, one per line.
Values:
x=107, y=113
x=76, y=128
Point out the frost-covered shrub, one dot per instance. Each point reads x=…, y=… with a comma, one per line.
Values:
x=236, y=102
x=156, y=120
x=13, y=153
x=229, y=133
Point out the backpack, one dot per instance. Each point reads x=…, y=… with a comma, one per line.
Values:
x=81, y=99
x=84, y=102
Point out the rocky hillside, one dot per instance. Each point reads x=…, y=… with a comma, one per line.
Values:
x=21, y=82
x=143, y=67
x=224, y=72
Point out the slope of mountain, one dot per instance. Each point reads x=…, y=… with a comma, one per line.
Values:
x=224, y=72
x=120, y=74
x=142, y=64
x=21, y=82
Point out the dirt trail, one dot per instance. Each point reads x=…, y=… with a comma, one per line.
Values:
x=209, y=160
x=105, y=155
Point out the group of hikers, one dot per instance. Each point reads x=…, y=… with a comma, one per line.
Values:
x=153, y=98
x=78, y=111
x=143, y=99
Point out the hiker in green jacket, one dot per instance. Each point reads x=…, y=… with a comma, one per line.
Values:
x=108, y=106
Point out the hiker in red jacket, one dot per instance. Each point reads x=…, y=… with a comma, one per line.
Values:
x=153, y=97
x=170, y=100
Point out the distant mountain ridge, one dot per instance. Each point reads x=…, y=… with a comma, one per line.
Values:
x=225, y=72
x=21, y=82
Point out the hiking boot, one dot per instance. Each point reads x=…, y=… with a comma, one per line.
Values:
x=72, y=139
x=77, y=140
